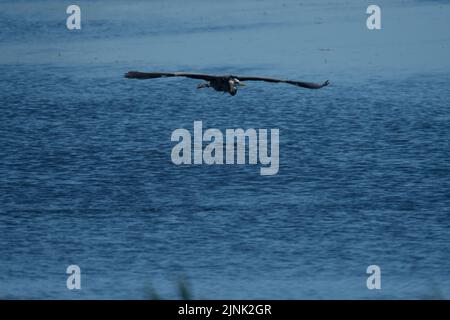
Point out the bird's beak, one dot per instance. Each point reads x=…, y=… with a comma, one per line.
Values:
x=241, y=84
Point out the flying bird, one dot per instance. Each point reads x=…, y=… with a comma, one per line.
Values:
x=223, y=83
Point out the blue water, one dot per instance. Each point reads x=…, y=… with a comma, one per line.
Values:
x=86, y=178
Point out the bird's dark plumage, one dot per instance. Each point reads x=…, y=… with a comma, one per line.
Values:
x=225, y=83
x=308, y=85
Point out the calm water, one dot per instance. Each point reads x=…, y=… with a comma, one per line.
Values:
x=86, y=178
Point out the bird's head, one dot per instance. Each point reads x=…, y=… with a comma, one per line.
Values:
x=234, y=84
x=238, y=83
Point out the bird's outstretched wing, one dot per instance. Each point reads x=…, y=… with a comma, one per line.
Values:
x=308, y=85
x=153, y=75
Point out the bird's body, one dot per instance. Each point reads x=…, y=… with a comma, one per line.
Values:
x=223, y=83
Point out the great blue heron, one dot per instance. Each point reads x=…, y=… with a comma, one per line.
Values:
x=224, y=83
